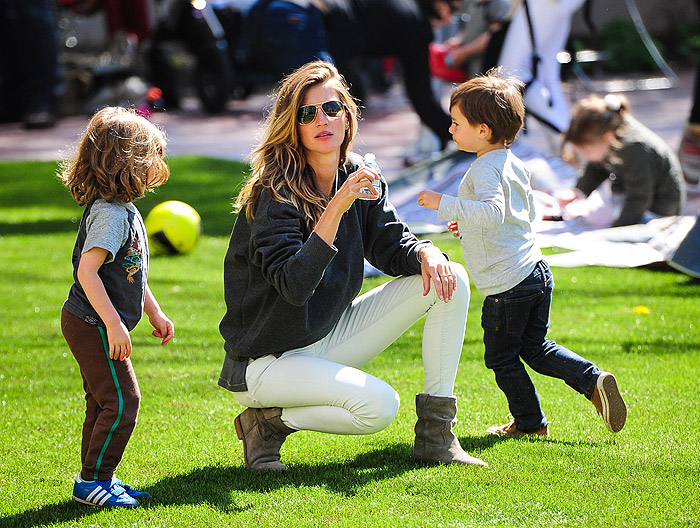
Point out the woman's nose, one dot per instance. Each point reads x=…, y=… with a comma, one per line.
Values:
x=321, y=117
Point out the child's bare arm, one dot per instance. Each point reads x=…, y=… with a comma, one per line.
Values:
x=162, y=326
x=117, y=334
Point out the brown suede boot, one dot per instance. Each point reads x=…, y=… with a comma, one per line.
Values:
x=435, y=440
x=263, y=434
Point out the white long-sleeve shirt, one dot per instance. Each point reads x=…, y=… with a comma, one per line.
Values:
x=494, y=209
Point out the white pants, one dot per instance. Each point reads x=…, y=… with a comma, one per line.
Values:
x=320, y=388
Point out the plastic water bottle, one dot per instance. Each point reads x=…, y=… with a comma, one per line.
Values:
x=371, y=164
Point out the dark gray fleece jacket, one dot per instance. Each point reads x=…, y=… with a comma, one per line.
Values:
x=644, y=169
x=286, y=288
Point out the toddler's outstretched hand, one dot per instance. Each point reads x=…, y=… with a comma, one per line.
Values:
x=453, y=228
x=429, y=199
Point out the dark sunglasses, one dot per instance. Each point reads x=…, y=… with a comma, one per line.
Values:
x=307, y=113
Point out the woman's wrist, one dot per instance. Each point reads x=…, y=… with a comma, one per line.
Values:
x=421, y=253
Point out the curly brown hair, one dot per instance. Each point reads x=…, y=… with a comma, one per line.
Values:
x=279, y=161
x=119, y=157
x=594, y=116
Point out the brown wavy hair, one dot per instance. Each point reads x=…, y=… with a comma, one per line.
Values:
x=279, y=163
x=494, y=100
x=119, y=157
x=594, y=116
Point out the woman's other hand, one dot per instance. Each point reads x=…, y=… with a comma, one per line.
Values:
x=437, y=269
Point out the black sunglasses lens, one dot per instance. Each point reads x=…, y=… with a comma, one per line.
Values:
x=307, y=114
x=332, y=108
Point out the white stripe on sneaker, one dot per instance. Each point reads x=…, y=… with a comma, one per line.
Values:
x=105, y=498
x=92, y=494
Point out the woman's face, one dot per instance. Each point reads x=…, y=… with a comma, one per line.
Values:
x=324, y=135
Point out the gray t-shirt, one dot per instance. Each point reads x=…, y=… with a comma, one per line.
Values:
x=494, y=209
x=117, y=227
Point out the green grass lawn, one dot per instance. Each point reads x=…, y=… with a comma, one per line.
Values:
x=184, y=450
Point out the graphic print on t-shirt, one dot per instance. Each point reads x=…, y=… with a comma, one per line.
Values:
x=132, y=260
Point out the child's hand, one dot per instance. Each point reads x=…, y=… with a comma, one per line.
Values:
x=453, y=228
x=429, y=199
x=566, y=197
x=163, y=327
x=119, y=341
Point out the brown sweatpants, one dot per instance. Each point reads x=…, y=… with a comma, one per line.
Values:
x=112, y=398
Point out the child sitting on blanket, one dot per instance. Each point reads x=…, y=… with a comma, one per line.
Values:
x=492, y=215
x=645, y=174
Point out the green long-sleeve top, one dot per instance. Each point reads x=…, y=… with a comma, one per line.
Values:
x=644, y=169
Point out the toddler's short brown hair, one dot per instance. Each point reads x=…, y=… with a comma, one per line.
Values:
x=494, y=100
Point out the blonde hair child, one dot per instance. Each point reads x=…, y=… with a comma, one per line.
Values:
x=119, y=158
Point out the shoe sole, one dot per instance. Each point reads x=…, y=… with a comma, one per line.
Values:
x=83, y=501
x=691, y=173
x=494, y=431
x=613, y=406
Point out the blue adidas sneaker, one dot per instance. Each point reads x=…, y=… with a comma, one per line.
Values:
x=104, y=493
x=134, y=494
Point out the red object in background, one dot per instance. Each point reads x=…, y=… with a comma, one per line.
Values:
x=154, y=93
x=440, y=69
x=130, y=16
x=389, y=65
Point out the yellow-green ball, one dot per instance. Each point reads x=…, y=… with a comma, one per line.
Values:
x=173, y=228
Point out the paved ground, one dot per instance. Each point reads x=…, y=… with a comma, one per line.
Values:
x=388, y=128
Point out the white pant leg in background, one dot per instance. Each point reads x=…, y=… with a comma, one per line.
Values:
x=551, y=21
x=320, y=386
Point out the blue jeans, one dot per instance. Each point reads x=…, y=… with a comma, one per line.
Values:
x=515, y=325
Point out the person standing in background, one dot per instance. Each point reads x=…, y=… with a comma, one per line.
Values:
x=689, y=150
x=30, y=79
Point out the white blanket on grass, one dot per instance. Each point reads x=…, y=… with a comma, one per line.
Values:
x=581, y=233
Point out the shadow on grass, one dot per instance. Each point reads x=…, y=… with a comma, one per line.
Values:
x=474, y=445
x=213, y=485
x=209, y=185
x=38, y=227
